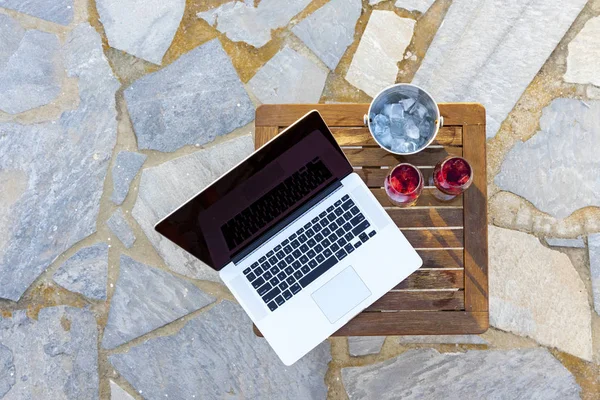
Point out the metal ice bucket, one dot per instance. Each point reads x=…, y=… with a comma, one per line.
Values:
x=400, y=91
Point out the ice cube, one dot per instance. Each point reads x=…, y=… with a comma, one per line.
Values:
x=407, y=103
x=385, y=138
x=407, y=147
x=419, y=110
x=387, y=110
x=397, y=120
x=379, y=124
x=426, y=128
x=411, y=129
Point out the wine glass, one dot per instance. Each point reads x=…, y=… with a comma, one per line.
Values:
x=404, y=185
x=451, y=176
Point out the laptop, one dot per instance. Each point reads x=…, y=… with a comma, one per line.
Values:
x=296, y=236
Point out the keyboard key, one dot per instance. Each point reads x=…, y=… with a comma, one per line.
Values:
x=271, y=295
x=296, y=264
x=317, y=228
x=298, y=274
x=295, y=288
x=260, y=270
x=347, y=216
x=315, y=219
x=360, y=227
x=297, y=253
x=349, y=248
x=311, y=254
x=331, y=217
x=318, y=248
x=289, y=270
x=347, y=226
x=274, y=270
x=325, y=232
x=287, y=249
x=274, y=281
x=289, y=259
x=357, y=220
x=290, y=280
x=325, y=242
x=293, y=236
x=346, y=197
x=324, y=213
x=341, y=254
x=330, y=209
x=318, y=237
x=254, y=264
x=251, y=276
x=348, y=236
x=332, y=238
x=371, y=234
x=320, y=258
x=269, y=254
x=273, y=260
x=264, y=289
x=281, y=275
x=338, y=211
x=333, y=226
x=357, y=245
x=308, y=225
x=302, y=238
x=354, y=210
x=310, y=233
x=279, y=300
x=258, y=282
x=324, y=222
x=247, y=271
x=342, y=242
x=363, y=237
x=267, y=275
x=295, y=244
x=337, y=203
x=340, y=232
x=312, y=263
x=335, y=247
x=311, y=242
x=287, y=295
x=318, y=271
x=285, y=242
x=281, y=255
x=306, y=269
x=304, y=248
x=282, y=264
x=272, y=306
x=327, y=253
x=303, y=259
x=300, y=231
x=277, y=248
x=347, y=205
x=283, y=285
x=262, y=259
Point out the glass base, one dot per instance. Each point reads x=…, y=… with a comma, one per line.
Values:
x=438, y=194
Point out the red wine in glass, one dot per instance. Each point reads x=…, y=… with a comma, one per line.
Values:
x=404, y=185
x=452, y=176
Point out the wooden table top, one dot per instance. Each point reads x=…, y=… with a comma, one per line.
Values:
x=449, y=293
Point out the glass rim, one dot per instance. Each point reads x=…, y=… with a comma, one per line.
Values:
x=421, y=179
x=448, y=158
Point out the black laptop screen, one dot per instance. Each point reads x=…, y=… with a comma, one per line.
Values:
x=234, y=211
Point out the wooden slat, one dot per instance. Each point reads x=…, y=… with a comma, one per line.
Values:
x=421, y=300
x=441, y=258
x=433, y=279
x=360, y=136
x=262, y=134
x=462, y=114
x=426, y=217
x=475, y=223
x=426, y=199
x=378, y=157
x=415, y=323
x=435, y=238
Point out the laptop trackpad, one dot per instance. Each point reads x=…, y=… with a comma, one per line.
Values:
x=341, y=294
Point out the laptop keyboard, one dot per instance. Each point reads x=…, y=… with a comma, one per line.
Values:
x=312, y=250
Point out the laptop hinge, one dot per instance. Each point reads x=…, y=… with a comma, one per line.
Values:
x=303, y=209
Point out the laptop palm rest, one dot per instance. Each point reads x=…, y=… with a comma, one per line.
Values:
x=341, y=294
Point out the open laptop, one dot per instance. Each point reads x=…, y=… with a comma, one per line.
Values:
x=297, y=237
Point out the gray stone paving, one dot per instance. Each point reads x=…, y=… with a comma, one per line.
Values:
x=7, y=370
x=330, y=30
x=126, y=166
x=117, y=393
x=85, y=272
x=49, y=210
x=119, y=226
x=364, y=345
x=145, y=299
x=552, y=169
x=55, y=356
x=421, y=374
x=243, y=22
x=30, y=67
x=584, y=52
x=222, y=357
x=165, y=187
x=201, y=85
x=144, y=29
x=58, y=11
x=594, y=253
x=559, y=242
x=469, y=61
x=288, y=77
x=415, y=5
x=441, y=339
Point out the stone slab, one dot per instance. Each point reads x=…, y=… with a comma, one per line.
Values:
x=476, y=374
x=365, y=345
x=560, y=242
x=190, y=102
x=127, y=164
x=119, y=226
x=415, y=5
x=552, y=169
x=85, y=272
x=243, y=22
x=145, y=299
x=117, y=393
x=468, y=61
x=221, y=358
x=57, y=11
x=288, y=77
x=330, y=30
x=584, y=53
x=53, y=357
x=594, y=253
x=381, y=47
x=536, y=292
x=45, y=208
x=441, y=339
x=167, y=186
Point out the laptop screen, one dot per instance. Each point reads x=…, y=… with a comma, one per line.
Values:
x=239, y=208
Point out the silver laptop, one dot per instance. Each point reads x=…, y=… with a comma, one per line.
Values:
x=297, y=237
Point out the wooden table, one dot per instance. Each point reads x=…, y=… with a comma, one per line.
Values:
x=449, y=293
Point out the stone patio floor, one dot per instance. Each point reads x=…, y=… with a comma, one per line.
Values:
x=113, y=112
